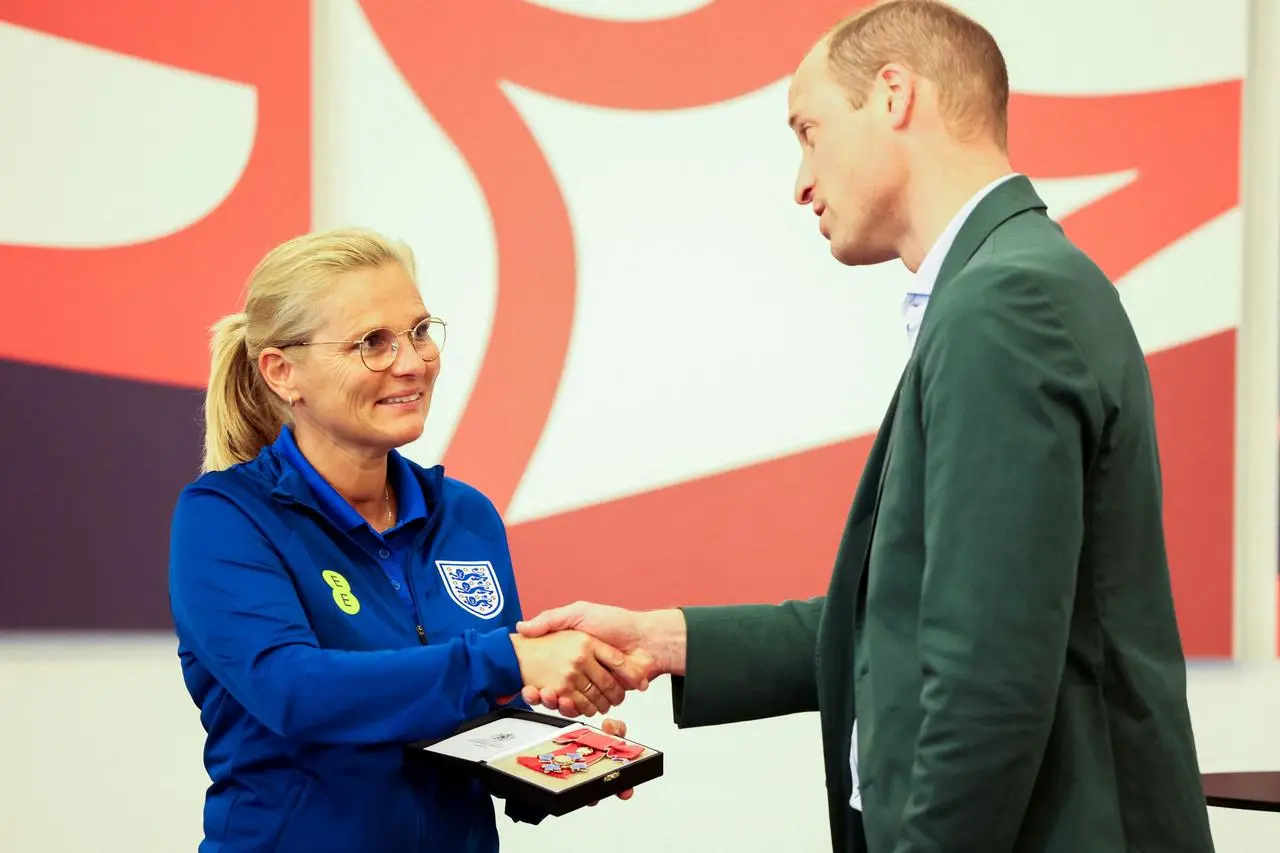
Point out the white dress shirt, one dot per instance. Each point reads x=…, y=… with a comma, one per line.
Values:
x=913, y=305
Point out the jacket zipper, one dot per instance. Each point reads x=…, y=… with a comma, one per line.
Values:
x=413, y=597
x=411, y=566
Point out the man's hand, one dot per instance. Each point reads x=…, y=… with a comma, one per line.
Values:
x=586, y=675
x=654, y=640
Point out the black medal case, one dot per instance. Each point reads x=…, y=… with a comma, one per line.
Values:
x=546, y=764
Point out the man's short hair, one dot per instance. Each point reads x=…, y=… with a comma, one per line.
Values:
x=939, y=43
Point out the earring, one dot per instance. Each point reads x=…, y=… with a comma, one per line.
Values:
x=291, y=401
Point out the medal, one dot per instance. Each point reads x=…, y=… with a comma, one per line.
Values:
x=579, y=749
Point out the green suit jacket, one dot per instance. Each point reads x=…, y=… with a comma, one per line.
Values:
x=999, y=618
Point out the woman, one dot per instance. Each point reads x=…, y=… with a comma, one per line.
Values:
x=334, y=600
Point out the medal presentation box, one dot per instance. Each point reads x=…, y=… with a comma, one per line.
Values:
x=550, y=764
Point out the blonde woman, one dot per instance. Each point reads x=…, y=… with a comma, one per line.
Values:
x=334, y=600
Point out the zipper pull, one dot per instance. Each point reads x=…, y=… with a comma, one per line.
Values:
x=422, y=635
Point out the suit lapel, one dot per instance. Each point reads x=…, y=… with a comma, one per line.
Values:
x=883, y=443
x=1014, y=196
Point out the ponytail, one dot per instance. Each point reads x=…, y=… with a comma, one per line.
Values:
x=241, y=415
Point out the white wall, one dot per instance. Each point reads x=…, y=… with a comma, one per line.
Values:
x=101, y=754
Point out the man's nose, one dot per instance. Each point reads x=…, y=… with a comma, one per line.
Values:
x=804, y=186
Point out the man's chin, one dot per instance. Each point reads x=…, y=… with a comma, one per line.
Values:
x=845, y=253
x=852, y=254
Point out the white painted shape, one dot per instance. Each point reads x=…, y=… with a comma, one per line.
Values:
x=1095, y=47
x=105, y=149
x=713, y=328
x=1064, y=196
x=623, y=10
x=1189, y=290
x=703, y=293
x=384, y=162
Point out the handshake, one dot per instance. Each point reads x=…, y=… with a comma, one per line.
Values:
x=582, y=658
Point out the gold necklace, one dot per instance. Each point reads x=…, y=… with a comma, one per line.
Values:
x=387, y=494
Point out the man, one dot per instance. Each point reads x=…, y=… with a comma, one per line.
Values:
x=999, y=620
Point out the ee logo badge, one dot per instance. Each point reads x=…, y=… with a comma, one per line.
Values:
x=342, y=596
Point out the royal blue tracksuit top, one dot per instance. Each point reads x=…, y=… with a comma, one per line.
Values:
x=316, y=647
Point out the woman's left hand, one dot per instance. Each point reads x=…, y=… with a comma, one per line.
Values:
x=617, y=728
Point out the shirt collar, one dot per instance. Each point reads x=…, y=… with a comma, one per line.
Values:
x=922, y=283
x=413, y=504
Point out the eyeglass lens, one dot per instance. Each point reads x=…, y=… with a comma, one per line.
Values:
x=378, y=348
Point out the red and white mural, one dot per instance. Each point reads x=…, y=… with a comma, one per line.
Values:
x=654, y=369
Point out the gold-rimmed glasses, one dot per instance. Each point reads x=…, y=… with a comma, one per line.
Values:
x=379, y=347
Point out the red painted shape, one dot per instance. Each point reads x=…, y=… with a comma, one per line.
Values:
x=444, y=52
x=763, y=533
x=153, y=302
x=1183, y=144
x=1195, y=404
x=720, y=51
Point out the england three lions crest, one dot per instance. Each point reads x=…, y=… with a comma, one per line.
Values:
x=473, y=586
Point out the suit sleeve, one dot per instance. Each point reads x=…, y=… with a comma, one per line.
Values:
x=1008, y=408
x=747, y=662
x=235, y=607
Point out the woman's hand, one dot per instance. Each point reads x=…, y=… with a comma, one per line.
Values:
x=591, y=675
x=617, y=728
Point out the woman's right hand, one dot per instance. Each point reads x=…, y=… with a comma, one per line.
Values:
x=592, y=675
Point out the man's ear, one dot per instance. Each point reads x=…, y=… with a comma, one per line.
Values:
x=278, y=372
x=895, y=91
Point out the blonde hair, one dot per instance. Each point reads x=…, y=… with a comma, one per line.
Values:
x=242, y=414
x=951, y=50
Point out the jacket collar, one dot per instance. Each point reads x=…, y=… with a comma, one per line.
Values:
x=1010, y=198
x=922, y=282
x=289, y=486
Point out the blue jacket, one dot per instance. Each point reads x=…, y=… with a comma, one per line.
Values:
x=316, y=647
